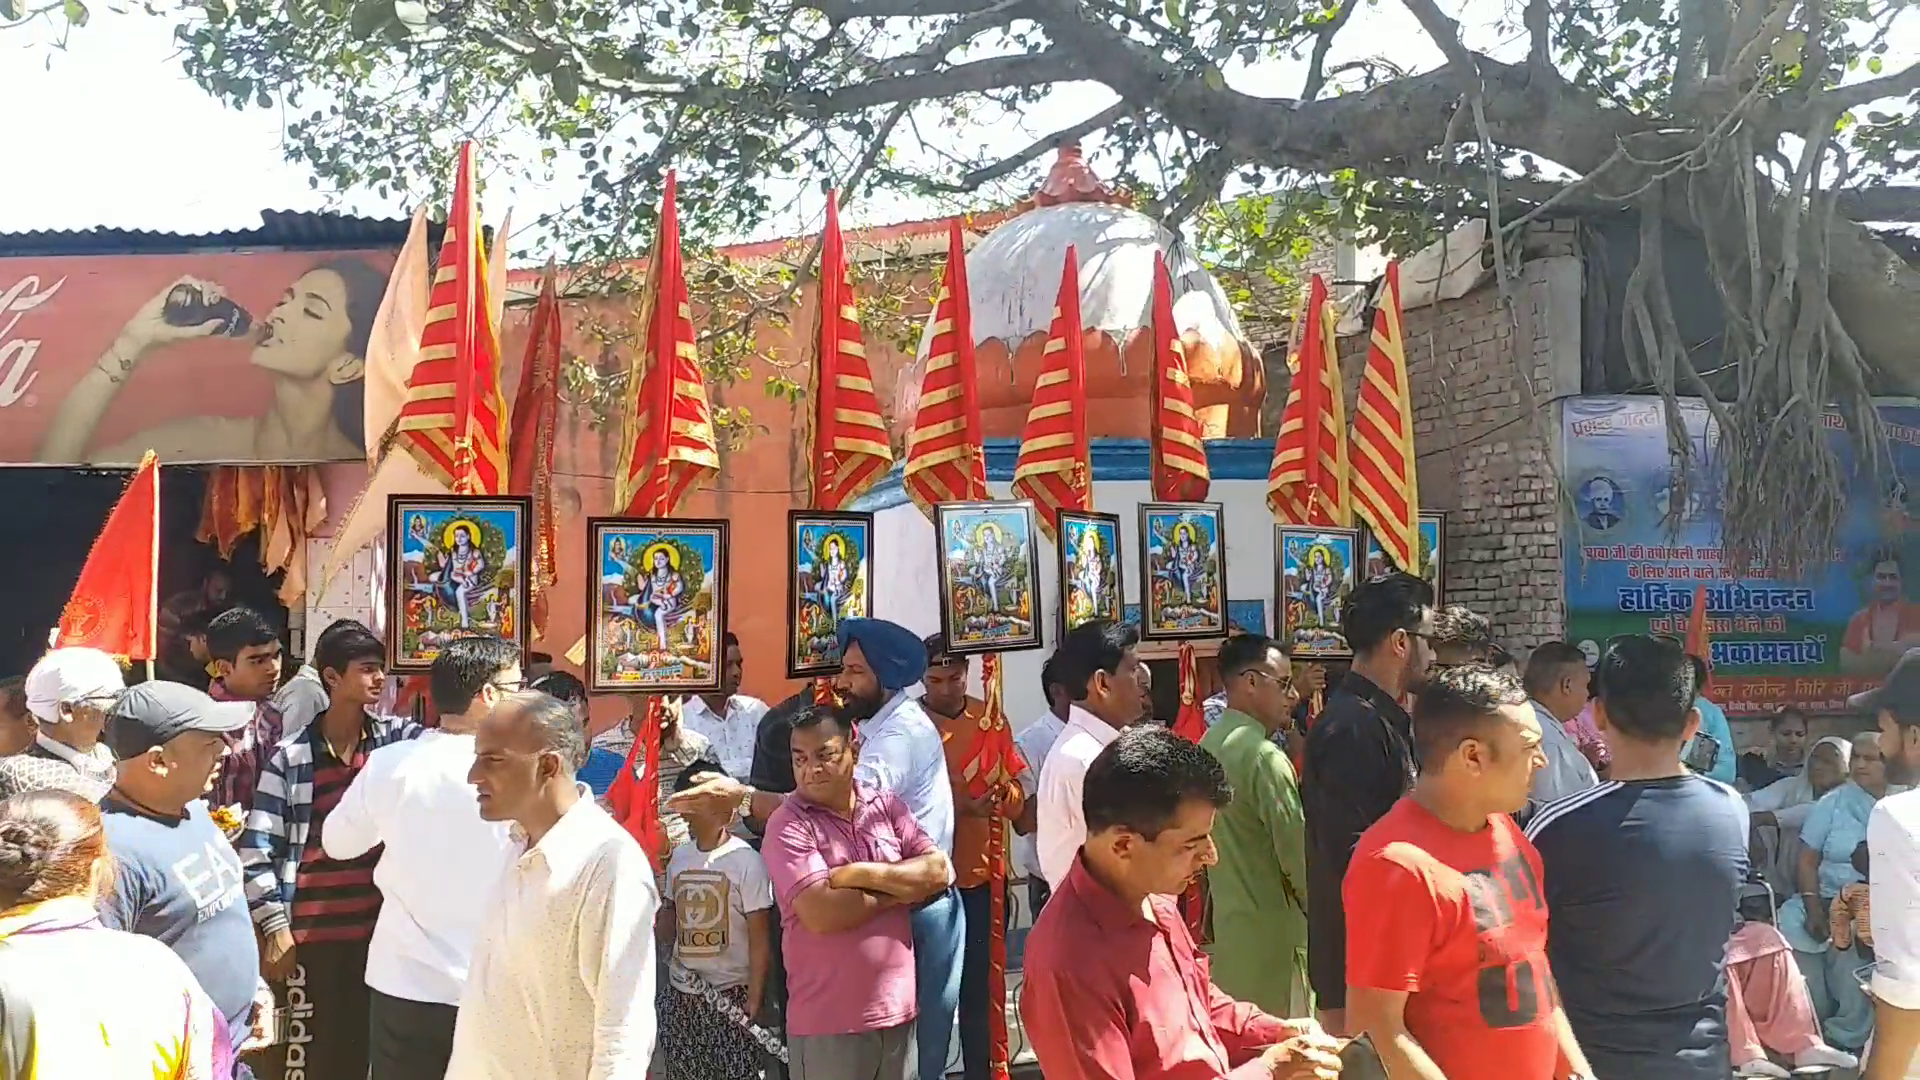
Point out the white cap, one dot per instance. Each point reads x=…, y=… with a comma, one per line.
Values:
x=66, y=676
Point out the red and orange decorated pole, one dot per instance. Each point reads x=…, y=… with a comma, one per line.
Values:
x=1381, y=479
x=1307, y=484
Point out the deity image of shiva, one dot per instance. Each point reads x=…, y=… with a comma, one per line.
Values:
x=1188, y=563
x=1320, y=584
x=462, y=576
x=661, y=599
x=1089, y=569
x=835, y=578
x=992, y=566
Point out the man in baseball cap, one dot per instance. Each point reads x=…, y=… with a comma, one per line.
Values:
x=1893, y=855
x=176, y=876
x=68, y=692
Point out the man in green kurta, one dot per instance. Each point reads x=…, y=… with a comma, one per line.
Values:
x=1259, y=887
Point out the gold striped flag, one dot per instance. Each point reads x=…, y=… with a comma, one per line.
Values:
x=666, y=434
x=1055, y=468
x=1307, y=483
x=1179, y=468
x=945, y=461
x=1380, y=475
x=453, y=421
x=849, y=440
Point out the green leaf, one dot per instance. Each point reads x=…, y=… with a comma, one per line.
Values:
x=12, y=10
x=1874, y=64
x=77, y=13
x=566, y=86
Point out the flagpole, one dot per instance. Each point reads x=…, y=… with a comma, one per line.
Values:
x=153, y=592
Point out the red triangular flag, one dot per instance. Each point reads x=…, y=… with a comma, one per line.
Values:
x=536, y=408
x=114, y=604
x=635, y=794
x=1698, y=642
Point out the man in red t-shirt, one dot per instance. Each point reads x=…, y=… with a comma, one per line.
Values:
x=1446, y=922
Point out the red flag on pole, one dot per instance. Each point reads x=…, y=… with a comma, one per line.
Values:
x=1179, y=468
x=1055, y=468
x=453, y=422
x=114, y=606
x=1307, y=484
x=850, y=448
x=536, y=408
x=635, y=794
x=1380, y=476
x=945, y=462
x=667, y=444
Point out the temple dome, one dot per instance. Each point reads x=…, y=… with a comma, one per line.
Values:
x=1013, y=275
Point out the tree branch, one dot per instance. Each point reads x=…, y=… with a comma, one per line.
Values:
x=843, y=10
x=1539, y=35
x=1323, y=41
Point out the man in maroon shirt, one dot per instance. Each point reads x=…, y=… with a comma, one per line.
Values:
x=1115, y=988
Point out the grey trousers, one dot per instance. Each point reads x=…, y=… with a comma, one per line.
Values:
x=870, y=1055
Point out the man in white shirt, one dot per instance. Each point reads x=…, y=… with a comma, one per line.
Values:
x=1098, y=666
x=563, y=975
x=1036, y=742
x=729, y=719
x=1893, y=852
x=440, y=857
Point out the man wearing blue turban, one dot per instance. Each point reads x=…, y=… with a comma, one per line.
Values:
x=901, y=751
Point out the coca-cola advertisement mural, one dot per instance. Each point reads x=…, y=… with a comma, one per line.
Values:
x=230, y=357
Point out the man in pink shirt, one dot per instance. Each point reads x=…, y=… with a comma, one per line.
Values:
x=848, y=864
x=1115, y=988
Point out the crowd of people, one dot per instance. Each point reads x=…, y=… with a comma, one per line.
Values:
x=1448, y=869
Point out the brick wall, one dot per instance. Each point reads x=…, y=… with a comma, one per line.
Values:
x=1487, y=448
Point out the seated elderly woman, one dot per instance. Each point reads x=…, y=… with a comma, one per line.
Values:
x=1780, y=808
x=1833, y=829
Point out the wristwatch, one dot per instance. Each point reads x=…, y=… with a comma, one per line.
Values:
x=745, y=809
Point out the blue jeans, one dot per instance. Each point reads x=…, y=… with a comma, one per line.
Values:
x=939, y=941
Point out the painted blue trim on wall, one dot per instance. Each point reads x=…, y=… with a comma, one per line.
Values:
x=1113, y=459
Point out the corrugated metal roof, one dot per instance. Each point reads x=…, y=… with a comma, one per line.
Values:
x=286, y=229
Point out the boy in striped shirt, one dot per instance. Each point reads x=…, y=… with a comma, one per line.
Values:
x=316, y=914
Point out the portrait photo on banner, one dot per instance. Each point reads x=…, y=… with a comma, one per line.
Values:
x=1092, y=585
x=456, y=566
x=1316, y=570
x=829, y=578
x=1433, y=555
x=657, y=609
x=1183, y=570
x=989, y=576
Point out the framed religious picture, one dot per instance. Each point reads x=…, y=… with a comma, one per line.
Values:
x=657, y=609
x=989, y=576
x=1315, y=571
x=1091, y=583
x=1433, y=554
x=829, y=578
x=457, y=565
x=1183, y=571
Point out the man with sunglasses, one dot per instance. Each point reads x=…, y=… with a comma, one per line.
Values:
x=69, y=693
x=1359, y=761
x=1259, y=886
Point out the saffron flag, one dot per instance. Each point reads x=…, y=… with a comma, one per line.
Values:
x=1699, y=642
x=945, y=462
x=634, y=796
x=666, y=433
x=1380, y=469
x=115, y=604
x=1055, y=467
x=1307, y=483
x=1179, y=468
x=850, y=451
x=454, y=422
x=536, y=408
